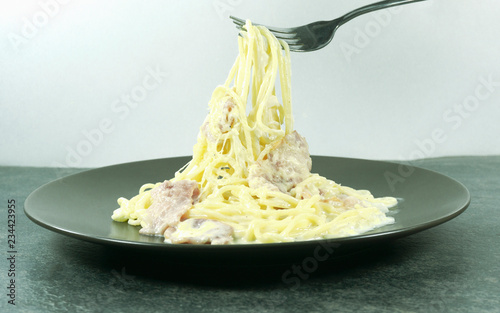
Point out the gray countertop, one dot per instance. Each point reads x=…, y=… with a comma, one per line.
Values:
x=454, y=267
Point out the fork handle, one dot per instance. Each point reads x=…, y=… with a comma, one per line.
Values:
x=373, y=7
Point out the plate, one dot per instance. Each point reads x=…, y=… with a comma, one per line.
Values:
x=81, y=205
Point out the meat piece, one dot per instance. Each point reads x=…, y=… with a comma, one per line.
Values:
x=223, y=119
x=349, y=201
x=201, y=231
x=286, y=165
x=170, y=201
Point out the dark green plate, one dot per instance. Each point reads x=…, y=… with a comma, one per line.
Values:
x=81, y=205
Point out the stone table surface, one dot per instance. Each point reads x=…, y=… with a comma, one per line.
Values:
x=454, y=267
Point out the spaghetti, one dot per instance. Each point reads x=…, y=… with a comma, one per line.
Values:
x=252, y=169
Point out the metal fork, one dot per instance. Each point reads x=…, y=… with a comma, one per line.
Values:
x=316, y=35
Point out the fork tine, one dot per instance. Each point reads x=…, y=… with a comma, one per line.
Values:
x=278, y=30
x=237, y=21
x=285, y=36
x=238, y=26
x=295, y=46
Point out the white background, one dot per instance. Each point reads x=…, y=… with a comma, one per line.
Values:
x=419, y=81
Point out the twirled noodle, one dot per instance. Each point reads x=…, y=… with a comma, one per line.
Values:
x=231, y=141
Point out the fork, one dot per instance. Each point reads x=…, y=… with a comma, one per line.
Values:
x=317, y=35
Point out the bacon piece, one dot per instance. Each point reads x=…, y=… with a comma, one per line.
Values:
x=286, y=165
x=170, y=201
x=349, y=201
x=225, y=120
x=201, y=231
